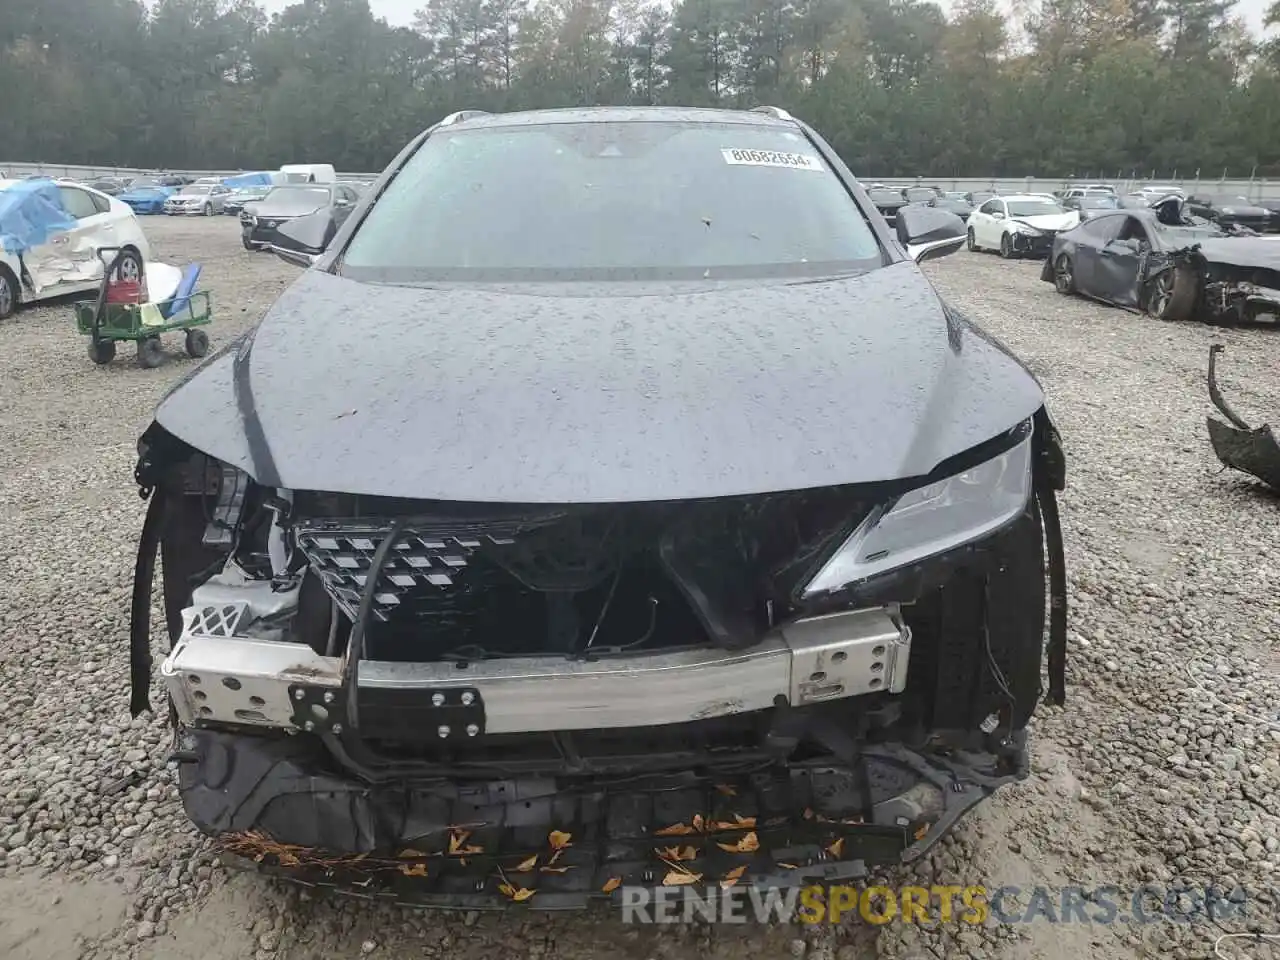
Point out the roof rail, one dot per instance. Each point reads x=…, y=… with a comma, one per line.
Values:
x=776, y=112
x=461, y=115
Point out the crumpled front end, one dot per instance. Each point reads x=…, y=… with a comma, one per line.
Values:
x=1028, y=241
x=458, y=703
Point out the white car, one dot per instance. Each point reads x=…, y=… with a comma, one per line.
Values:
x=1020, y=224
x=67, y=262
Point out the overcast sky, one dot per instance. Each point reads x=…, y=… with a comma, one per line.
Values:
x=400, y=13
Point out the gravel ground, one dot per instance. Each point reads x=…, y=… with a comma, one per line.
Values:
x=1161, y=770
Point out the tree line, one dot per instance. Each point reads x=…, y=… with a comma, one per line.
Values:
x=1073, y=87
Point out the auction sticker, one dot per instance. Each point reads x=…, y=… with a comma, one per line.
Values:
x=772, y=158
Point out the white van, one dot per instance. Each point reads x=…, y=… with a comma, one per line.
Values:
x=308, y=173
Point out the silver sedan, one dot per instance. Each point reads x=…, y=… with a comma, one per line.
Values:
x=200, y=198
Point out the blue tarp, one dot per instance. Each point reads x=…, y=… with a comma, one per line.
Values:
x=30, y=212
x=248, y=180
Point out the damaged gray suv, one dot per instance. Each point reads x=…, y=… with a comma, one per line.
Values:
x=613, y=501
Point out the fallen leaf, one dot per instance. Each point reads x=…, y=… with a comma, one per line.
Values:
x=557, y=869
x=555, y=855
x=410, y=854
x=733, y=875
x=516, y=893
x=739, y=822
x=837, y=849
x=922, y=832
x=677, y=853
x=787, y=866
x=675, y=830
x=680, y=878
x=727, y=790
x=612, y=884
x=524, y=866
x=287, y=859
x=458, y=844
x=697, y=822
x=559, y=840
x=748, y=844
x=413, y=869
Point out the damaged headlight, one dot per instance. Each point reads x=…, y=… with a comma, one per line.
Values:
x=1026, y=228
x=932, y=519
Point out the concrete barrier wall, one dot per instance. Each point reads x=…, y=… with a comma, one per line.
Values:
x=1255, y=189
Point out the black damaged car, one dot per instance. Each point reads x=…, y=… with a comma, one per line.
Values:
x=614, y=479
x=261, y=219
x=1168, y=263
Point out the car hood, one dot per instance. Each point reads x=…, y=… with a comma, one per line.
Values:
x=484, y=395
x=1242, y=210
x=1050, y=221
x=281, y=213
x=1261, y=253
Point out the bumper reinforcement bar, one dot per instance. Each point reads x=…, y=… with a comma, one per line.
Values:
x=220, y=679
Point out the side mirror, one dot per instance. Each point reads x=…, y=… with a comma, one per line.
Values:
x=929, y=232
x=997, y=216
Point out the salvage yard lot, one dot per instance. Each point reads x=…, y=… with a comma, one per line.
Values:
x=1164, y=764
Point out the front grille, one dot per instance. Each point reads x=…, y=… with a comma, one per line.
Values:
x=341, y=557
x=542, y=577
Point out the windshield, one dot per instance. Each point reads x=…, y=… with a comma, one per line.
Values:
x=884, y=195
x=1033, y=208
x=1098, y=202
x=298, y=199
x=197, y=188
x=635, y=200
x=145, y=182
x=916, y=194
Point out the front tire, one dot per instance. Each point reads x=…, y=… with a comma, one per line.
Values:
x=970, y=241
x=208, y=209
x=102, y=352
x=197, y=343
x=1064, y=276
x=150, y=353
x=1172, y=294
x=1006, y=246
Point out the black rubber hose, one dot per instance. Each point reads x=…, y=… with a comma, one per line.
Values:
x=140, y=612
x=355, y=643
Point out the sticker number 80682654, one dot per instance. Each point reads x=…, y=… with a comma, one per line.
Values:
x=772, y=158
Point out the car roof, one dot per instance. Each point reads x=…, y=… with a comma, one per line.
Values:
x=621, y=114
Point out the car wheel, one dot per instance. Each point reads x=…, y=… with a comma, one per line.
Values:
x=8, y=293
x=208, y=209
x=970, y=242
x=129, y=266
x=197, y=343
x=1064, y=277
x=102, y=352
x=1172, y=294
x=1006, y=246
x=150, y=353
